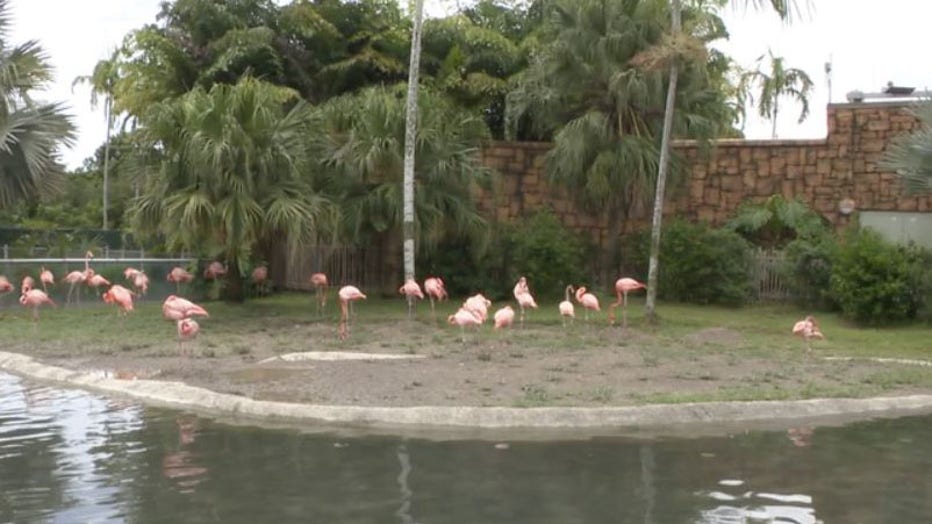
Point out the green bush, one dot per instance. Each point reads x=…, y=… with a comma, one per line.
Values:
x=698, y=264
x=808, y=269
x=468, y=267
x=876, y=282
x=548, y=254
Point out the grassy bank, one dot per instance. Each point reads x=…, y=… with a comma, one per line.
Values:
x=695, y=354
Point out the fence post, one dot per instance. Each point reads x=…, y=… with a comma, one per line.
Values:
x=6, y=251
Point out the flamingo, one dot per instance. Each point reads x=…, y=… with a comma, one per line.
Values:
x=479, y=305
x=566, y=307
x=141, y=283
x=524, y=297
x=5, y=285
x=47, y=279
x=435, y=290
x=504, y=317
x=175, y=308
x=215, y=270
x=411, y=290
x=623, y=286
x=808, y=329
x=179, y=275
x=97, y=282
x=319, y=280
x=130, y=273
x=120, y=296
x=188, y=328
x=35, y=298
x=28, y=283
x=465, y=317
x=74, y=278
x=260, y=276
x=347, y=294
x=587, y=300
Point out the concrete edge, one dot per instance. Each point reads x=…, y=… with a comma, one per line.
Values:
x=466, y=420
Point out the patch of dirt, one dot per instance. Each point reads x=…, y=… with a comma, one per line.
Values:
x=718, y=336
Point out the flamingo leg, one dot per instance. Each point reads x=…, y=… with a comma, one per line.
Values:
x=463, y=334
x=433, y=312
x=624, y=312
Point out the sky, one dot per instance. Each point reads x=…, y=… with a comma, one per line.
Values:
x=869, y=43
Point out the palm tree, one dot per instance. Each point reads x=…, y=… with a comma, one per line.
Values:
x=226, y=174
x=410, y=138
x=779, y=82
x=783, y=8
x=360, y=142
x=103, y=82
x=30, y=131
x=910, y=154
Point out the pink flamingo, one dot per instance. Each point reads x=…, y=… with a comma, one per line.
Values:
x=28, y=283
x=215, y=270
x=319, y=281
x=587, y=300
x=504, y=317
x=808, y=329
x=120, y=296
x=465, y=317
x=179, y=275
x=73, y=279
x=566, y=307
x=35, y=298
x=412, y=291
x=479, y=305
x=260, y=276
x=5, y=285
x=141, y=283
x=188, y=328
x=623, y=286
x=47, y=279
x=524, y=297
x=130, y=273
x=347, y=294
x=97, y=282
x=175, y=308
x=435, y=290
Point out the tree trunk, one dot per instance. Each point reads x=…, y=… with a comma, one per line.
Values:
x=776, y=111
x=235, y=290
x=410, y=141
x=664, y=165
x=109, y=110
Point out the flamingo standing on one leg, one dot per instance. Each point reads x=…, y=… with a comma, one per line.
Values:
x=120, y=296
x=479, y=305
x=175, y=308
x=178, y=275
x=260, y=275
x=28, y=284
x=523, y=296
x=412, y=291
x=566, y=307
x=623, y=286
x=587, y=300
x=347, y=294
x=504, y=317
x=435, y=290
x=319, y=280
x=97, y=282
x=215, y=270
x=141, y=283
x=808, y=329
x=47, y=279
x=5, y=285
x=465, y=317
x=35, y=298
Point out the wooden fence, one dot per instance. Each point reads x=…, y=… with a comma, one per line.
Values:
x=342, y=264
x=768, y=279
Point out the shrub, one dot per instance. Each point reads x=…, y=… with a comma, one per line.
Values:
x=777, y=221
x=875, y=282
x=548, y=254
x=468, y=266
x=697, y=263
x=808, y=269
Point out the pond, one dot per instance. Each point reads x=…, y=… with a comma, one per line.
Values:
x=71, y=456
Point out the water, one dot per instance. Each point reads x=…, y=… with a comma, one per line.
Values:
x=70, y=456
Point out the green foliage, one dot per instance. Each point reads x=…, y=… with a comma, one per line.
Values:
x=700, y=264
x=910, y=154
x=808, y=267
x=548, y=254
x=876, y=282
x=777, y=221
x=468, y=267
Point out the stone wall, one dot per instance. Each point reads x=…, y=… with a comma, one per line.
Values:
x=821, y=172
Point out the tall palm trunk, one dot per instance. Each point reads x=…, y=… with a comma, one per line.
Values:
x=776, y=111
x=664, y=165
x=410, y=141
x=108, y=108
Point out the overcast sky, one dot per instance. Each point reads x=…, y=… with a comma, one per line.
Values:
x=869, y=43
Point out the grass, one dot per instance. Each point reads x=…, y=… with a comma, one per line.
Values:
x=696, y=353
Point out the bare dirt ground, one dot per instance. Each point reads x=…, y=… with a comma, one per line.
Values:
x=538, y=365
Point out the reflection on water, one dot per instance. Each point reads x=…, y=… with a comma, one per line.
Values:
x=70, y=456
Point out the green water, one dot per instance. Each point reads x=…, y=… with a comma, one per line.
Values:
x=70, y=456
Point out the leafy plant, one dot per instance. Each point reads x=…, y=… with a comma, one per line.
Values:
x=548, y=254
x=776, y=222
x=808, y=267
x=876, y=282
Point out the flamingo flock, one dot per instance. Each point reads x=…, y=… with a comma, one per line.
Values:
x=473, y=313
